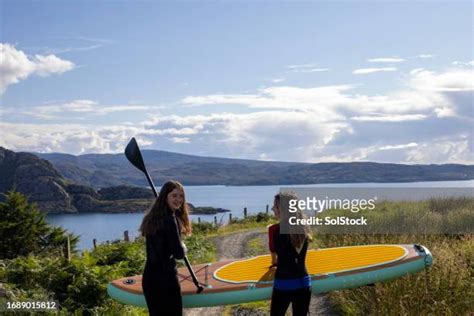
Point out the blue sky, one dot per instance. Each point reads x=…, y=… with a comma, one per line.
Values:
x=305, y=81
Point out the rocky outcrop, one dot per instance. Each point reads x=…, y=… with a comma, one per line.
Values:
x=205, y=209
x=36, y=178
x=44, y=185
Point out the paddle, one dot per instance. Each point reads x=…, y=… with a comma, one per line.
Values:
x=133, y=154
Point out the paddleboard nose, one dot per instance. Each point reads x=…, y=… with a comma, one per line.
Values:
x=423, y=251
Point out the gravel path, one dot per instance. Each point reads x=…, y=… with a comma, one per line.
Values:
x=230, y=246
x=233, y=246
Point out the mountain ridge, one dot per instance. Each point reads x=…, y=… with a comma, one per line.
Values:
x=100, y=170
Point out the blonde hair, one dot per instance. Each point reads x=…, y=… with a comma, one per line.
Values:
x=300, y=232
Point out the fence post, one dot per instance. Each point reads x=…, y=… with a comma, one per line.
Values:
x=245, y=212
x=94, y=242
x=199, y=220
x=266, y=209
x=230, y=218
x=125, y=236
x=215, y=220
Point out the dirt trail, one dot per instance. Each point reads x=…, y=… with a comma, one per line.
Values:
x=233, y=246
x=230, y=246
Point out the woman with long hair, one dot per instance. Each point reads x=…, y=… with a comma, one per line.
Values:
x=292, y=284
x=162, y=228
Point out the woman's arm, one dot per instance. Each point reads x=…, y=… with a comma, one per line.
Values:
x=173, y=237
x=271, y=243
x=274, y=258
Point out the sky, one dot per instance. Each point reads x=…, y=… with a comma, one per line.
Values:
x=309, y=81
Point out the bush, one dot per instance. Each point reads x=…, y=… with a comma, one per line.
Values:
x=204, y=228
x=24, y=230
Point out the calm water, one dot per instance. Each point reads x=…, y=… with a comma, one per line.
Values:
x=105, y=227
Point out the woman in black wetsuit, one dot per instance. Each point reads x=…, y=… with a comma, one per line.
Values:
x=292, y=283
x=162, y=226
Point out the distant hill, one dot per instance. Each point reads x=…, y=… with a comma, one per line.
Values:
x=39, y=180
x=102, y=170
x=44, y=185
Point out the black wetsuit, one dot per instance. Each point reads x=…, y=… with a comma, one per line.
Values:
x=160, y=282
x=291, y=277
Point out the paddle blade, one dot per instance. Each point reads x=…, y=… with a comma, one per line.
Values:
x=133, y=154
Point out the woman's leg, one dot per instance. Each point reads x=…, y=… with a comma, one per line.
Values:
x=151, y=293
x=163, y=296
x=172, y=302
x=280, y=303
x=300, y=300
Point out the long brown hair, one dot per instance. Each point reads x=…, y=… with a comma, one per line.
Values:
x=154, y=218
x=299, y=233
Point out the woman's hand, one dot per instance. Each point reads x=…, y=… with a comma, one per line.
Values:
x=184, y=247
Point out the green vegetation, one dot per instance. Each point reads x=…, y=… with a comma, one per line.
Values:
x=33, y=265
x=260, y=220
x=255, y=247
x=444, y=289
x=24, y=231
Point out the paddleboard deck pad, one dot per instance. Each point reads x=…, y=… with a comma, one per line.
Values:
x=246, y=280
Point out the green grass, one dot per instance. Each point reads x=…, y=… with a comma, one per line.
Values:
x=255, y=247
x=260, y=220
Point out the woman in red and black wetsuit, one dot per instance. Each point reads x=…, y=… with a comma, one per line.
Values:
x=292, y=283
x=162, y=226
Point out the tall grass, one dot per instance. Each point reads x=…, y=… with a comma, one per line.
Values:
x=447, y=288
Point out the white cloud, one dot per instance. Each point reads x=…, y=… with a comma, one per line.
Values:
x=444, y=112
x=430, y=106
x=282, y=97
x=74, y=44
x=457, y=149
x=386, y=60
x=364, y=71
x=310, y=70
x=425, y=56
x=81, y=109
x=328, y=123
x=306, y=68
x=301, y=66
x=462, y=63
x=15, y=65
x=452, y=80
x=410, y=145
x=48, y=65
x=415, y=71
x=389, y=118
x=69, y=138
x=183, y=140
x=278, y=80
